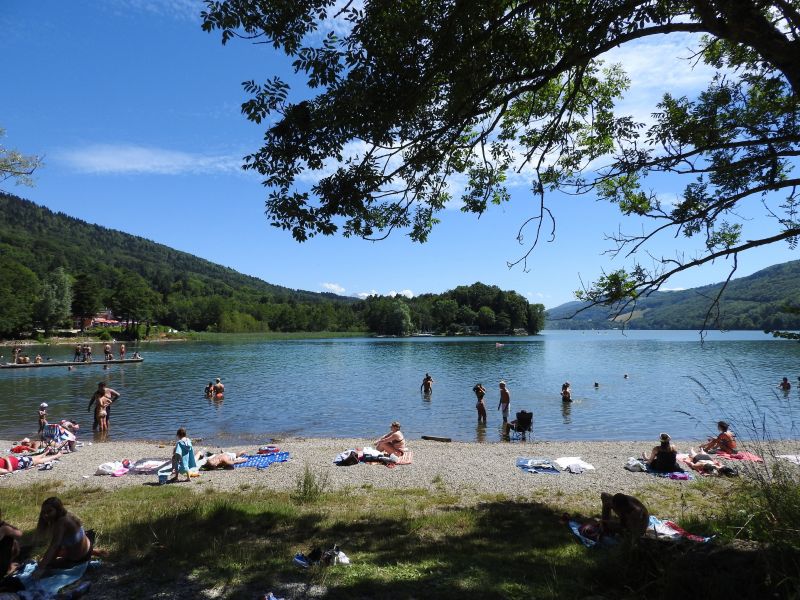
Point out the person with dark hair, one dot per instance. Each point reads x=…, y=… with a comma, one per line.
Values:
x=785, y=385
x=9, y=548
x=427, y=384
x=480, y=392
x=183, y=459
x=11, y=463
x=209, y=389
x=69, y=543
x=104, y=397
x=632, y=516
x=663, y=457
x=724, y=442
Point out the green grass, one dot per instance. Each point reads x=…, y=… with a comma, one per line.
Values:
x=403, y=544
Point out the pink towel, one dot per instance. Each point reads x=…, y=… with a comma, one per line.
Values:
x=740, y=456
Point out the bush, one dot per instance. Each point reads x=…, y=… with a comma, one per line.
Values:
x=104, y=337
x=310, y=487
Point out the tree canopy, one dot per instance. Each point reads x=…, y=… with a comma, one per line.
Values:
x=415, y=92
x=16, y=166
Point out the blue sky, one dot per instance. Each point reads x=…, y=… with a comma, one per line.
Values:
x=136, y=112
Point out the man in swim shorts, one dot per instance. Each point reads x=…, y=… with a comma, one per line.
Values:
x=505, y=401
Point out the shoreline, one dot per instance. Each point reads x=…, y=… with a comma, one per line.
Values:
x=469, y=469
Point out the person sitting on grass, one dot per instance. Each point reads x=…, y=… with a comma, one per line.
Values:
x=220, y=460
x=69, y=543
x=393, y=442
x=632, y=518
x=663, y=457
x=183, y=460
x=9, y=548
x=724, y=442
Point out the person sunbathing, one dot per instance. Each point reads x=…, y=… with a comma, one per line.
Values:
x=393, y=442
x=220, y=460
x=724, y=442
x=662, y=457
x=9, y=464
x=703, y=463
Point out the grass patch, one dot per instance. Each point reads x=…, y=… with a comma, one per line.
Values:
x=403, y=544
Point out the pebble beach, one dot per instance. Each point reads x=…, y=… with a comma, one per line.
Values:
x=466, y=469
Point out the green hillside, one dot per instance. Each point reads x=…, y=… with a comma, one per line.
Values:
x=757, y=301
x=54, y=267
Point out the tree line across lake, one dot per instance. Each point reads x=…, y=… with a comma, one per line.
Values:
x=54, y=268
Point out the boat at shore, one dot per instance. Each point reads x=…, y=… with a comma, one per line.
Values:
x=69, y=364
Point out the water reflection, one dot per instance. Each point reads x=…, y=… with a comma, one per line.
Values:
x=480, y=432
x=566, y=412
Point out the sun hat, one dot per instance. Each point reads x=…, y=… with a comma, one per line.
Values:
x=43, y=405
x=25, y=441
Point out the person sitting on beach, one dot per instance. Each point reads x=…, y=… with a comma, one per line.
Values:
x=662, y=457
x=724, y=442
x=785, y=385
x=566, y=392
x=183, y=460
x=393, y=442
x=9, y=548
x=9, y=464
x=632, y=516
x=26, y=445
x=69, y=543
x=220, y=460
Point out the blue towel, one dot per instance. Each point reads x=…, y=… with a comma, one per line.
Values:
x=185, y=450
x=262, y=461
x=538, y=465
x=47, y=587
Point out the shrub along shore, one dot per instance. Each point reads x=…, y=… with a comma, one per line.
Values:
x=460, y=520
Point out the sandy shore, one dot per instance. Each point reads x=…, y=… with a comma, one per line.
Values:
x=459, y=467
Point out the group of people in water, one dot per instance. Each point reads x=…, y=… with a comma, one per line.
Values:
x=215, y=390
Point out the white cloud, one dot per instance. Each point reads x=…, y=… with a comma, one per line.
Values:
x=406, y=293
x=334, y=287
x=104, y=159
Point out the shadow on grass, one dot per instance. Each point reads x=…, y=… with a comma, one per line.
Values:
x=492, y=550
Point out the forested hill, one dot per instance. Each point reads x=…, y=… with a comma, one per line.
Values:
x=757, y=301
x=43, y=240
x=54, y=267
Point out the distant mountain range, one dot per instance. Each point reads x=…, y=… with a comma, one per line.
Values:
x=757, y=301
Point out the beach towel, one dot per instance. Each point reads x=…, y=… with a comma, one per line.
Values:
x=676, y=475
x=47, y=587
x=185, y=451
x=740, y=456
x=537, y=465
x=567, y=461
x=792, y=458
x=262, y=461
x=150, y=466
x=593, y=539
x=405, y=459
x=662, y=529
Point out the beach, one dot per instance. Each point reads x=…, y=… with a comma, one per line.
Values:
x=462, y=468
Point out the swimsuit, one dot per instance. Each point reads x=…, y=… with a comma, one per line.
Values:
x=74, y=540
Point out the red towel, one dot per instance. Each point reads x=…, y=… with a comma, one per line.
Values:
x=740, y=456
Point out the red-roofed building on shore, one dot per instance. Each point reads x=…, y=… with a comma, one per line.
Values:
x=104, y=318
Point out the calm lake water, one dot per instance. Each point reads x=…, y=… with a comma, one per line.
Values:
x=356, y=387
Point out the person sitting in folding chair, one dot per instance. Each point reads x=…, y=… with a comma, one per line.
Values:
x=58, y=437
x=523, y=424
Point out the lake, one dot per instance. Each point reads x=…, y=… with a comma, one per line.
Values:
x=355, y=387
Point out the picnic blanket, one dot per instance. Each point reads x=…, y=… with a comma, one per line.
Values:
x=668, y=530
x=740, y=456
x=262, y=461
x=537, y=465
x=792, y=458
x=589, y=535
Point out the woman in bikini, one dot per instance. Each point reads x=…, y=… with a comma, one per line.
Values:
x=69, y=543
x=724, y=442
x=393, y=442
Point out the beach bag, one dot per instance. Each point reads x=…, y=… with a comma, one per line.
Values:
x=635, y=465
x=347, y=458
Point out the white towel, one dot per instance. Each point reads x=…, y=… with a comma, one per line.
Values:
x=566, y=461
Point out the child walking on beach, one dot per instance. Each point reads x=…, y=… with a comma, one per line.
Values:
x=42, y=417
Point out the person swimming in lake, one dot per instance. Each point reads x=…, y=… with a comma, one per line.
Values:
x=785, y=385
x=566, y=392
x=427, y=384
x=724, y=442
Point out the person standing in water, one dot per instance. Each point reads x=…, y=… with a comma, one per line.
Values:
x=427, y=384
x=219, y=388
x=109, y=396
x=785, y=385
x=505, y=401
x=566, y=392
x=480, y=392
